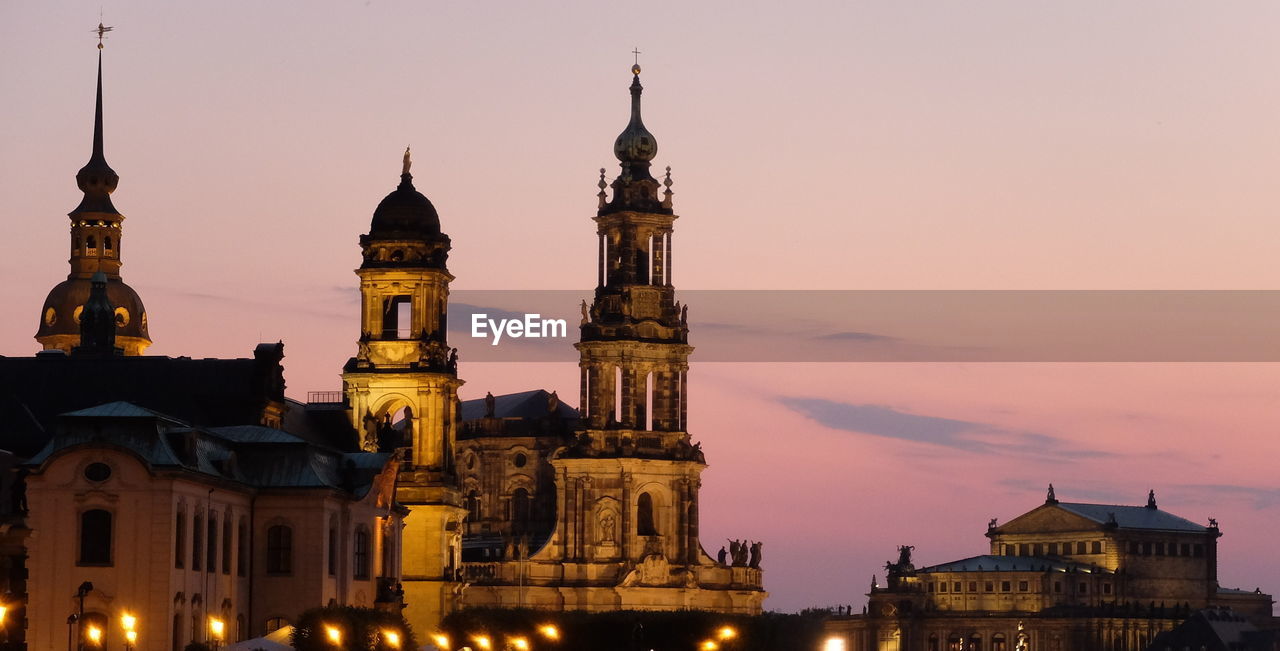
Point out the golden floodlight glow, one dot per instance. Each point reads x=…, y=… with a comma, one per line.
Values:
x=131, y=636
x=549, y=631
x=519, y=643
x=709, y=645
x=392, y=638
x=727, y=632
x=333, y=634
x=94, y=634
x=834, y=644
x=129, y=622
x=217, y=628
x=4, y=610
x=441, y=640
x=482, y=641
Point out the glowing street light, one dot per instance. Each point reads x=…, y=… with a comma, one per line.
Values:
x=727, y=633
x=130, y=639
x=95, y=635
x=441, y=641
x=708, y=645
x=128, y=622
x=217, y=629
x=549, y=631
x=834, y=644
x=334, y=635
x=392, y=638
x=483, y=642
x=519, y=643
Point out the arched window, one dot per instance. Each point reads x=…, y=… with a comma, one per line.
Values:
x=91, y=244
x=276, y=623
x=644, y=516
x=107, y=241
x=177, y=632
x=241, y=632
x=521, y=505
x=180, y=540
x=279, y=549
x=360, y=553
x=473, y=506
x=95, y=537
x=998, y=643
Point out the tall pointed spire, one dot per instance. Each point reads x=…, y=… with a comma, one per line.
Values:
x=96, y=179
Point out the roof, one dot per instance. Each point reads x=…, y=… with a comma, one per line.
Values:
x=1132, y=517
x=991, y=563
x=252, y=455
x=525, y=404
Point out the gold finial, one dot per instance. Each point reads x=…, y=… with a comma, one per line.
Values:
x=635, y=68
x=102, y=32
x=407, y=162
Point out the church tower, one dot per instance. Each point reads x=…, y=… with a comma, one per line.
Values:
x=95, y=247
x=402, y=388
x=625, y=534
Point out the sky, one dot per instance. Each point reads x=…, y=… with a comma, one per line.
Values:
x=814, y=145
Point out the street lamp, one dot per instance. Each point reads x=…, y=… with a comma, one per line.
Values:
x=217, y=630
x=441, y=641
x=708, y=645
x=549, y=631
x=94, y=634
x=727, y=633
x=519, y=643
x=130, y=639
x=834, y=644
x=334, y=635
x=392, y=639
x=130, y=625
x=483, y=642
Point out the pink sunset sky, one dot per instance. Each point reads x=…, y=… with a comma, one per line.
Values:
x=814, y=145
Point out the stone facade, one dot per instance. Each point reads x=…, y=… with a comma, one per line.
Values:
x=1062, y=577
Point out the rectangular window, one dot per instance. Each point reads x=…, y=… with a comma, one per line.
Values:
x=360, y=557
x=212, y=557
x=1006, y=586
x=930, y=586
x=1097, y=546
x=1023, y=586
x=1106, y=588
x=226, y=545
x=1159, y=549
x=1186, y=549
x=1053, y=549
x=180, y=541
x=942, y=586
x=973, y=586
x=1057, y=587
x=989, y=586
x=1084, y=588
x=1081, y=547
x=955, y=587
x=197, y=542
x=242, y=549
x=333, y=551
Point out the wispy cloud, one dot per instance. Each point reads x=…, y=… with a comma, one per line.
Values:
x=869, y=337
x=964, y=435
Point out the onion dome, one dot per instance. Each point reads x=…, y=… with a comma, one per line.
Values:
x=635, y=189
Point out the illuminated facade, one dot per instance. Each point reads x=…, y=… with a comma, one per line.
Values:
x=620, y=530
x=1062, y=577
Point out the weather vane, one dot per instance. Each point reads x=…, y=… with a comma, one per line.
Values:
x=102, y=33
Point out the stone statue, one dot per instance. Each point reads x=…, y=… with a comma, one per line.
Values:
x=991, y=524
x=684, y=314
x=407, y=162
x=586, y=315
x=608, y=529
x=1213, y=523
x=733, y=551
x=490, y=405
x=408, y=427
x=1051, y=497
x=904, y=555
x=721, y=556
x=453, y=358
x=755, y=554
x=369, y=443
x=553, y=402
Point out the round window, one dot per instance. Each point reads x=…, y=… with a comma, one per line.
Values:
x=97, y=472
x=520, y=460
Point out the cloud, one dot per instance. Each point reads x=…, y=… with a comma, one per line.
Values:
x=967, y=436
x=856, y=336
x=1259, y=497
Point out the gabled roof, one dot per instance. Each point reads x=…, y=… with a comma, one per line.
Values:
x=990, y=563
x=1131, y=517
x=118, y=409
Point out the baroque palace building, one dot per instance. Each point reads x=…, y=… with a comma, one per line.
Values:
x=1062, y=577
x=194, y=495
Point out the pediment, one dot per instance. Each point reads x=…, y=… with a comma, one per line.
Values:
x=1048, y=518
